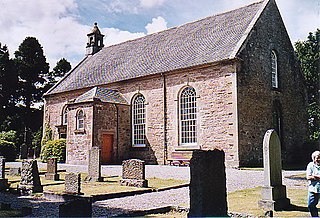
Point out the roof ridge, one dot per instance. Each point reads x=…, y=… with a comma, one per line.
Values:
x=188, y=23
x=249, y=28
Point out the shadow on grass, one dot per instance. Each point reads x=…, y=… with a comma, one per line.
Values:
x=293, y=207
x=52, y=184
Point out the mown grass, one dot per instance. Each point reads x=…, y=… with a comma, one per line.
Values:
x=10, y=213
x=108, y=185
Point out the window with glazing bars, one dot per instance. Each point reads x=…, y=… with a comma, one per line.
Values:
x=138, y=121
x=188, y=116
x=65, y=117
x=274, y=70
x=80, y=120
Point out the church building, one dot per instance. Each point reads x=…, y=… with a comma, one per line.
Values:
x=219, y=82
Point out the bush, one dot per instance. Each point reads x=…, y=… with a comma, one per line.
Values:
x=54, y=148
x=7, y=150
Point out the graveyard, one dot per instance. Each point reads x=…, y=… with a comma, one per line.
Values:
x=206, y=189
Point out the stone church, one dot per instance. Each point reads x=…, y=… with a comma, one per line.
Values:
x=219, y=82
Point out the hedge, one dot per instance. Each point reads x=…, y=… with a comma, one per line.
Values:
x=7, y=150
x=54, y=148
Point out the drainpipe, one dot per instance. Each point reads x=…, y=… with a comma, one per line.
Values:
x=117, y=151
x=165, y=114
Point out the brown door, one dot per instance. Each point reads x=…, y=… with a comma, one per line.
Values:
x=106, y=149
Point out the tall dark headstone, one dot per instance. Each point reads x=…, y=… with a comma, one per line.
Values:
x=76, y=208
x=94, y=167
x=72, y=183
x=52, y=169
x=133, y=173
x=208, y=191
x=3, y=181
x=274, y=195
x=30, y=180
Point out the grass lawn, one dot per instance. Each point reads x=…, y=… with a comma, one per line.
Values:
x=108, y=185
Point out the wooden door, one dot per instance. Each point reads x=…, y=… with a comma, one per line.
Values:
x=106, y=148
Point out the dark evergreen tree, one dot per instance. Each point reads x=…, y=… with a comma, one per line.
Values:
x=32, y=69
x=308, y=53
x=8, y=80
x=63, y=66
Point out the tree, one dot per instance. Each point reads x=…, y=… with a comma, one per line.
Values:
x=32, y=70
x=308, y=53
x=62, y=67
x=8, y=80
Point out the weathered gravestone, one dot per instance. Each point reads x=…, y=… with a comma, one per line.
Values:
x=274, y=195
x=208, y=191
x=94, y=167
x=3, y=181
x=133, y=173
x=72, y=183
x=30, y=180
x=76, y=208
x=52, y=169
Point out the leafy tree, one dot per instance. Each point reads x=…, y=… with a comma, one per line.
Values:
x=62, y=67
x=308, y=53
x=32, y=70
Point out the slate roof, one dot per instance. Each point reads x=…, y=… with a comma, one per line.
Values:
x=211, y=39
x=102, y=94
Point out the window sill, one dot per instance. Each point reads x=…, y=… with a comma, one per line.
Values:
x=186, y=147
x=276, y=89
x=79, y=131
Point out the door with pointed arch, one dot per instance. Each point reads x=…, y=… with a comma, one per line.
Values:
x=106, y=148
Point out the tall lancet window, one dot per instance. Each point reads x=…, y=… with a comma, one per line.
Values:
x=274, y=70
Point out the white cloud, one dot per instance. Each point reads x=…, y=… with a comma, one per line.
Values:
x=52, y=22
x=115, y=36
x=158, y=24
x=151, y=3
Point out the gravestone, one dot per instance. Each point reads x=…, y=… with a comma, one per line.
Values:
x=52, y=169
x=3, y=181
x=30, y=180
x=15, y=171
x=72, y=183
x=274, y=195
x=94, y=167
x=208, y=191
x=133, y=173
x=76, y=208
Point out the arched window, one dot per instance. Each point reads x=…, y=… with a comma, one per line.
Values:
x=138, y=121
x=188, y=116
x=80, y=119
x=274, y=70
x=65, y=116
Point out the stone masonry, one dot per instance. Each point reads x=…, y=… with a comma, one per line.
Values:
x=94, y=167
x=274, y=195
x=73, y=183
x=30, y=180
x=133, y=173
x=52, y=169
x=235, y=105
x=3, y=181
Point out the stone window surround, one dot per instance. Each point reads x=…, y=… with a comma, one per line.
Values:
x=64, y=115
x=192, y=145
x=80, y=127
x=142, y=132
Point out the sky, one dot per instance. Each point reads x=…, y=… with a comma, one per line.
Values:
x=61, y=26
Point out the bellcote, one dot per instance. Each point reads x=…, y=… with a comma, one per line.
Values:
x=95, y=41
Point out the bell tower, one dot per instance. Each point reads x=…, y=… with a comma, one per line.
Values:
x=95, y=41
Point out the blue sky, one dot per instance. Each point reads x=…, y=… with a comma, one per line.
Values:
x=61, y=25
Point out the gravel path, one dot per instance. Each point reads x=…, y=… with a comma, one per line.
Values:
x=236, y=180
